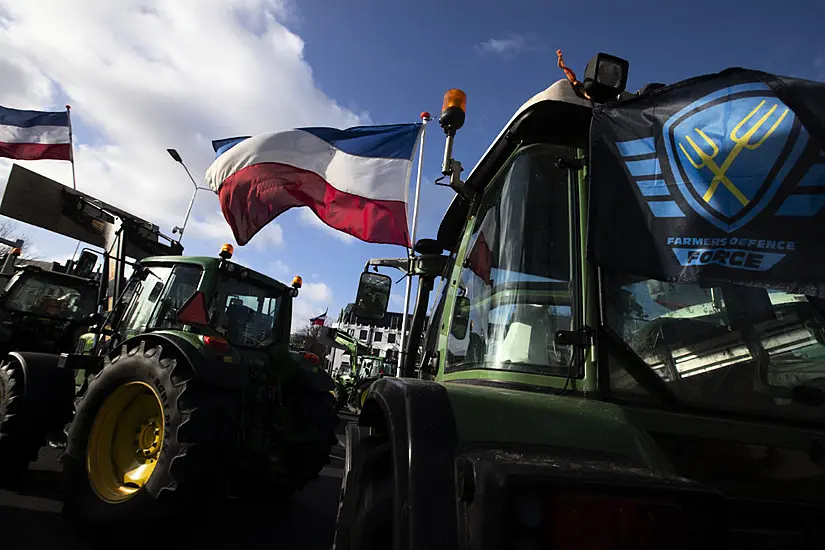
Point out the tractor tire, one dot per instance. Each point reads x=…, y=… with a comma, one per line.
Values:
x=366, y=503
x=359, y=393
x=340, y=397
x=34, y=401
x=145, y=418
x=307, y=444
x=316, y=420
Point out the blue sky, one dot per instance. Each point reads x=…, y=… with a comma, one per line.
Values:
x=153, y=75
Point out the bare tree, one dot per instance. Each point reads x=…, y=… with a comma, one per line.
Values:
x=307, y=338
x=11, y=231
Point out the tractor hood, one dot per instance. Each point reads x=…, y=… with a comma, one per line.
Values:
x=719, y=474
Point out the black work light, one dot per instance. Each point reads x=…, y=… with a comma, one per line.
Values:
x=605, y=77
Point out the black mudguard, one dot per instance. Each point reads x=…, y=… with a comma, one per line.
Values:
x=49, y=389
x=214, y=373
x=423, y=435
x=315, y=379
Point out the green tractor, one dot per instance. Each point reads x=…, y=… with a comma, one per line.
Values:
x=563, y=402
x=41, y=311
x=352, y=385
x=370, y=369
x=191, y=390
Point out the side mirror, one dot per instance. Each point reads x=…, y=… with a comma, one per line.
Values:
x=373, y=295
x=461, y=318
x=85, y=264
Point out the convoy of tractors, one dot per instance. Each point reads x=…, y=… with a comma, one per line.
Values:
x=548, y=403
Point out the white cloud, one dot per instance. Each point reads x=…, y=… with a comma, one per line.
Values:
x=317, y=292
x=313, y=299
x=307, y=217
x=212, y=227
x=508, y=46
x=145, y=75
x=502, y=46
x=397, y=300
x=278, y=268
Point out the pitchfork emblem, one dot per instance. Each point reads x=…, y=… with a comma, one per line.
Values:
x=707, y=158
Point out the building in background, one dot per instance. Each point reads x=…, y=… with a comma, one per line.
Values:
x=383, y=336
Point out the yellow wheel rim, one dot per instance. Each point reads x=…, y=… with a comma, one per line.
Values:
x=364, y=396
x=125, y=442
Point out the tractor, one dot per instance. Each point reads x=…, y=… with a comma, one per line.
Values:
x=352, y=385
x=42, y=311
x=189, y=391
x=562, y=402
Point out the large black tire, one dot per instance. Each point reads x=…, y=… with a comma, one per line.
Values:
x=200, y=428
x=34, y=401
x=366, y=504
x=359, y=393
x=301, y=454
x=314, y=420
x=340, y=396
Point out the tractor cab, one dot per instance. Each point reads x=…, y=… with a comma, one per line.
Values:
x=219, y=304
x=43, y=310
x=615, y=341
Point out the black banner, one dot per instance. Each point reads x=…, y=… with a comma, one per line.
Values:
x=720, y=178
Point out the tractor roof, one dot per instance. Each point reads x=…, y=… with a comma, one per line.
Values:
x=209, y=262
x=556, y=113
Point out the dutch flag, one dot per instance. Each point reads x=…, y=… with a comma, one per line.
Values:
x=355, y=180
x=35, y=135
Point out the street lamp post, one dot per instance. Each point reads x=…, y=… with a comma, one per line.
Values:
x=177, y=158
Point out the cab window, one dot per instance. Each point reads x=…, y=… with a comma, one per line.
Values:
x=514, y=291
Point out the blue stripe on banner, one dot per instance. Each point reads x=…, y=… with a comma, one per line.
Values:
x=653, y=188
x=395, y=141
x=801, y=205
x=647, y=167
x=29, y=119
x=636, y=147
x=666, y=209
x=220, y=146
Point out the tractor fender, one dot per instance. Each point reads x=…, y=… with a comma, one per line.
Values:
x=424, y=440
x=48, y=390
x=311, y=375
x=315, y=378
x=214, y=373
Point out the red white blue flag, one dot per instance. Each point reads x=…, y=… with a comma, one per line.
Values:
x=355, y=180
x=320, y=320
x=35, y=135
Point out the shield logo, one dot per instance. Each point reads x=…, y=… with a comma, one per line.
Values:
x=727, y=152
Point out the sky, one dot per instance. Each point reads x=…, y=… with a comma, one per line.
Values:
x=145, y=75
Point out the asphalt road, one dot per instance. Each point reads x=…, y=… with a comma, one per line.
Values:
x=30, y=515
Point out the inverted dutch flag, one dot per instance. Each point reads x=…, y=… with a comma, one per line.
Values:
x=35, y=135
x=355, y=180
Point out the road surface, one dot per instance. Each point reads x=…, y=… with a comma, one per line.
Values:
x=30, y=515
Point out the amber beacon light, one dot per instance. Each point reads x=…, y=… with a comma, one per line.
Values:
x=453, y=111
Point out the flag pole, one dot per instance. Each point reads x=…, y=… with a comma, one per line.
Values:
x=71, y=147
x=71, y=159
x=425, y=118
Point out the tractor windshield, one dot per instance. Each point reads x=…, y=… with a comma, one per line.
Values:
x=51, y=295
x=727, y=347
x=246, y=313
